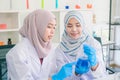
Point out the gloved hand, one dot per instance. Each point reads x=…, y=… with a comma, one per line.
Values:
x=91, y=53
x=64, y=72
x=82, y=66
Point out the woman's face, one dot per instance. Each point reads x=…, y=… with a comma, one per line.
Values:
x=74, y=28
x=50, y=30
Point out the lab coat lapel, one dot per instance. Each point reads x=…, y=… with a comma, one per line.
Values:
x=34, y=56
x=32, y=52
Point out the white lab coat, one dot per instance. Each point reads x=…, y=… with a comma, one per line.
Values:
x=63, y=58
x=23, y=63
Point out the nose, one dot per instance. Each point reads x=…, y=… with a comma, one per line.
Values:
x=74, y=28
x=52, y=31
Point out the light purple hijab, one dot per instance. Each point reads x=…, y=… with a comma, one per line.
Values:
x=34, y=29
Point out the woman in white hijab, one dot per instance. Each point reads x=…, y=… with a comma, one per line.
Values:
x=31, y=58
x=76, y=44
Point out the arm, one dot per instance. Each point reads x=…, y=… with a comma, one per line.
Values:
x=49, y=79
x=93, y=68
x=99, y=69
x=91, y=53
x=65, y=71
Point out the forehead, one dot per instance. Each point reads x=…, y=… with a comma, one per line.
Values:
x=52, y=20
x=73, y=20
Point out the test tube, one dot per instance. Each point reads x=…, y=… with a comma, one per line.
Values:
x=56, y=4
x=67, y=4
x=77, y=4
x=89, y=4
x=42, y=3
x=27, y=4
x=66, y=7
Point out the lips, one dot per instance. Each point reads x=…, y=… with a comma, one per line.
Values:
x=74, y=34
x=50, y=37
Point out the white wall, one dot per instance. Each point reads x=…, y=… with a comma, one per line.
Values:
x=4, y=4
x=101, y=9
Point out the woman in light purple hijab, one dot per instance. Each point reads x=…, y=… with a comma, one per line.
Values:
x=34, y=29
x=31, y=58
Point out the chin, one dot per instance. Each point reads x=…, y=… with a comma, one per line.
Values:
x=74, y=37
x=46, y=40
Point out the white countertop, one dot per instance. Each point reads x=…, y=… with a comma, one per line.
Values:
x=106, y=43
x=115, y=76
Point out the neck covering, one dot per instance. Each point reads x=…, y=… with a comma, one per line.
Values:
x=69, y=45
x=34, y=29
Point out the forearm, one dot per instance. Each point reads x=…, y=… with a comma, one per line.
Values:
x=93, y=68
x=49, y=79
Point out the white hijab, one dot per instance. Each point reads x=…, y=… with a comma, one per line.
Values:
x=34, y=29
x=68, y=44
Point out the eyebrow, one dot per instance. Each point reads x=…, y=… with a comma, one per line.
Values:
x=51, y=24
x=78, y=23
x=71, y=23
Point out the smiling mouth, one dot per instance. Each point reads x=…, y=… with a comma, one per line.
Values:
x=73, y=34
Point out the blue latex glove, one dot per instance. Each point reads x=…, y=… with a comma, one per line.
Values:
x=82, y=66
x=91, y=53
x=64, y=72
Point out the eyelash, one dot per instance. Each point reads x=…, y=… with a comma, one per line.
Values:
x=72, y=25
x=69, y=26
x=50, y=27
x=78, y=25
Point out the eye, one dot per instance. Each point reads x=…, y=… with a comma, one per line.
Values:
x=78, y=25
x=69, y=25
x=54, y=27
x=48, y=26
x=51, y=27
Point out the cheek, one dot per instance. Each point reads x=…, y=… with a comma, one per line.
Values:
x=80, y=30
x=68, y=30
x=47, y=31
x=44, y=37
x=46, y=34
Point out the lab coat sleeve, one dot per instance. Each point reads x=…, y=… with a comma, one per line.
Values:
x=101, y=70
x=18, y=68
x=60, y=61
x=86, y=76
x=53, y=69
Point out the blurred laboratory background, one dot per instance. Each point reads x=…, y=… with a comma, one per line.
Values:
x=102, y=19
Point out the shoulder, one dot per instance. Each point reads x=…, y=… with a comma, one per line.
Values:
x=58, y=50
x=20, y=50
x=94, y=40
